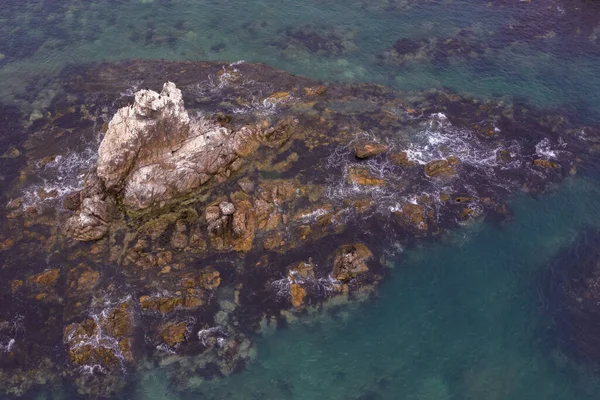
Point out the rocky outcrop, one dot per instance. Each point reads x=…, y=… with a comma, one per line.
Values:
x=545, y=163
x=91, y=220
x=369, y=149
x=350, y=261
x=442, y=168
x=103, y=341
x=152, y=153
x=362, y=176
x=269, y=214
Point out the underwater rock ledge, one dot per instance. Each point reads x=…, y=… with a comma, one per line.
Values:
x=170, y=227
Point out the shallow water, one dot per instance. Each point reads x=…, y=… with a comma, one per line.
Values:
x=460, y=318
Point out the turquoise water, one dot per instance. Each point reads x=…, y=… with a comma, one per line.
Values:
x=459, y=318
x=546, y=53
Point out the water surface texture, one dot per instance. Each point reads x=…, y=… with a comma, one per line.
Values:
x=468, y=314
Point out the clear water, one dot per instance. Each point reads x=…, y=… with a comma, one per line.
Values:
x=460, y=318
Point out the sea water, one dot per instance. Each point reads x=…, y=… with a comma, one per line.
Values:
x=461, y=317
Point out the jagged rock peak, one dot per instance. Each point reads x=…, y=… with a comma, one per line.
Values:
x=152, y=153
x=134, y=123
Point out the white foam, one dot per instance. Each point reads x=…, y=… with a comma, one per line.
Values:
x=61, y=176
x=7, y=348
x=165, y=349
x=544, y=149
x=99, y=339
x=205, y=334
x=314, y=215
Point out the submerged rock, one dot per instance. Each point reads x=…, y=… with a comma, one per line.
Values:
x=571, y=286
x=442, y=168
x=366, y=150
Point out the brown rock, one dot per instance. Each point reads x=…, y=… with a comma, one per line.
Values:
x=246, y=142
x=350, y=261
x=92, y=342
x=209, y=278
x=315, y=90
x=401, y=159
x=193, y=299
x=369, y=149
x=119, y=321
x=362, y=205
x=165, y=270
x=93, y=355
x=163, y=305
x=304, y=232
x=212, y=213
x=545, y=164
x=179, y=240
x=243, y=226
x=362, y=176
x=273, y=222
x=164, y=257
x=197, y=243
x=280, y=96
x=87, y=280
x=467, y=212
x=46, y=278
x=15, y=203
x=72, y=201
x=414, y=215
x=7, y=244
x=297, y=294
x=246, y=185
x=442, y=168
x=301, y=271
x=279, y=190
x=279, y=134
x=16, y=285
x=40, y=296
x=463, y=199
x=12, y=152
x=274, y=241
x=173, y=333
x=263, y=209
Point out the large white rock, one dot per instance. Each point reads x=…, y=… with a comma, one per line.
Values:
x=153, y=151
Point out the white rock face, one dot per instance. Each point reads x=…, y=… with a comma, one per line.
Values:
x=154, y=152
x=132, y=125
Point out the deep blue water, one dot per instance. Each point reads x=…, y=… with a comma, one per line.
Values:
x=461, y=318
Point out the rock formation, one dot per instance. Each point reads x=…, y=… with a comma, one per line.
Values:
x=261, y=202
x=153, y=152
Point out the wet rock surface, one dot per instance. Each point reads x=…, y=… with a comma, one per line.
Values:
x=188, y=218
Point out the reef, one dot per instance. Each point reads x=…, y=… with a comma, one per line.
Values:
x=466, y=45
x=171, y=211
x=571, y=288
